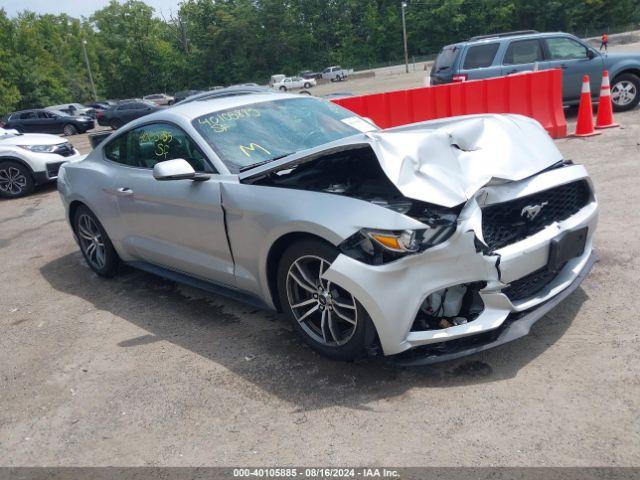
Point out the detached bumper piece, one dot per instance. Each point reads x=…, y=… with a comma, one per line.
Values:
x=517, y=325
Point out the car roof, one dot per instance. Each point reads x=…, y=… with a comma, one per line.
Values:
x=225, y=92
x=504, y=37
x=192, y=110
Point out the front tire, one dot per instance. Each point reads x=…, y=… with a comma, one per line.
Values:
x=307, y=85
x=625, y=92
x=283, y=89
x=15, y=180
x=69, y=130
x=95, y=245
x=327, y=317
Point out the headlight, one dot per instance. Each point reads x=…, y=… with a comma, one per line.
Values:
x=404, y=241
x=376, y=247
x=39, y=148
x=382, y=246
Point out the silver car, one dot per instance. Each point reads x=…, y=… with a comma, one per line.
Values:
x=425, y=242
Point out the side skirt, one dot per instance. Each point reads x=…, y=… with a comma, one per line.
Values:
x=200, y=284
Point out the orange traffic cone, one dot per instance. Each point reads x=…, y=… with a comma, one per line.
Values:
x=584, y=126
x=605, y=108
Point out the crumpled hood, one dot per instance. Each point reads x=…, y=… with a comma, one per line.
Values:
x=445, y=162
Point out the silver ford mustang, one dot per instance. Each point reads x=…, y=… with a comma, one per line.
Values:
x=426, y=242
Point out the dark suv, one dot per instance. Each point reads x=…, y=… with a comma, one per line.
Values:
x=508, y=53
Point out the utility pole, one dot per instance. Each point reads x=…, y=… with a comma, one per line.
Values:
x=404, y=37
x=86, y=59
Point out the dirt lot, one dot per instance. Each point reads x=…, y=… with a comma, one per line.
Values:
x=141, y=371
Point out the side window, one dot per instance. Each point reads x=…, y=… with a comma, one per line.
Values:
x=480, y=56
x=27, y=116
x=138, y=106
x=565, y=49
x=116, y=151
x=523, y=51
x=43, y=114
x=123, y=106
x=150, y=144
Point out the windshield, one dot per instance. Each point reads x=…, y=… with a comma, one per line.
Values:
x=260, y=132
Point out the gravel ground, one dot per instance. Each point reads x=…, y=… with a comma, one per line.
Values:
x=141, y=371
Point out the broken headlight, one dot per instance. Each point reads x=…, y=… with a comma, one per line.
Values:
x=376, y=247
x=382, y=246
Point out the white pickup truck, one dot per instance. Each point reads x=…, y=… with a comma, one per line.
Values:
x=335, y=73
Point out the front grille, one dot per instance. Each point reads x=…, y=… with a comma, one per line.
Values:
x=64, y=150
x=53, y=168
x=506, y=223
x=527, y=287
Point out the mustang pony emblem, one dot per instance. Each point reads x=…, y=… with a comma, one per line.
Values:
x=531, y=211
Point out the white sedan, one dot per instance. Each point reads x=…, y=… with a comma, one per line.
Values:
x=293, y=83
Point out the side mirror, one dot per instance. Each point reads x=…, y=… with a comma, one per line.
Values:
x=177, y=169
x=590, y=54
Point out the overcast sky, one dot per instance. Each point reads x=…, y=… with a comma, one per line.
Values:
x=76, y=8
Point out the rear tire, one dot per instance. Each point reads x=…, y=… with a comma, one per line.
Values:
x=283, y=89
x=625, y=92
x=69, y=129
x=95, y=245
x=327, y=317
x=307, y=85
x=115, y=124
x=15, y=180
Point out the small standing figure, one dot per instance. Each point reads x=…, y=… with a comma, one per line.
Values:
x=605, y=42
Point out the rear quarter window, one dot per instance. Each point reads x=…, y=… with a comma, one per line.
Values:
x=116, y=151
x=480, y=56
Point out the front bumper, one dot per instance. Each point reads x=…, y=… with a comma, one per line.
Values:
x=513, y=328
x=393, y=293
x=46, y=166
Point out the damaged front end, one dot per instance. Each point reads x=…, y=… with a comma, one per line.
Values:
x=482, y=266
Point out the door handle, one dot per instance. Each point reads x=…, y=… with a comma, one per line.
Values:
x=512, y=72
x=124, y=192
x=564, y=66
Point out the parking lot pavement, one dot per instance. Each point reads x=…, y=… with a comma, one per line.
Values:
x=140, y=371
x=82, y=142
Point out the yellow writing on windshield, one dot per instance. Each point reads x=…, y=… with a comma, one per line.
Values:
x=251, y=148
x=221, y=122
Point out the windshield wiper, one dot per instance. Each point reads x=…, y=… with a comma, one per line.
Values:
x=264, y=162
